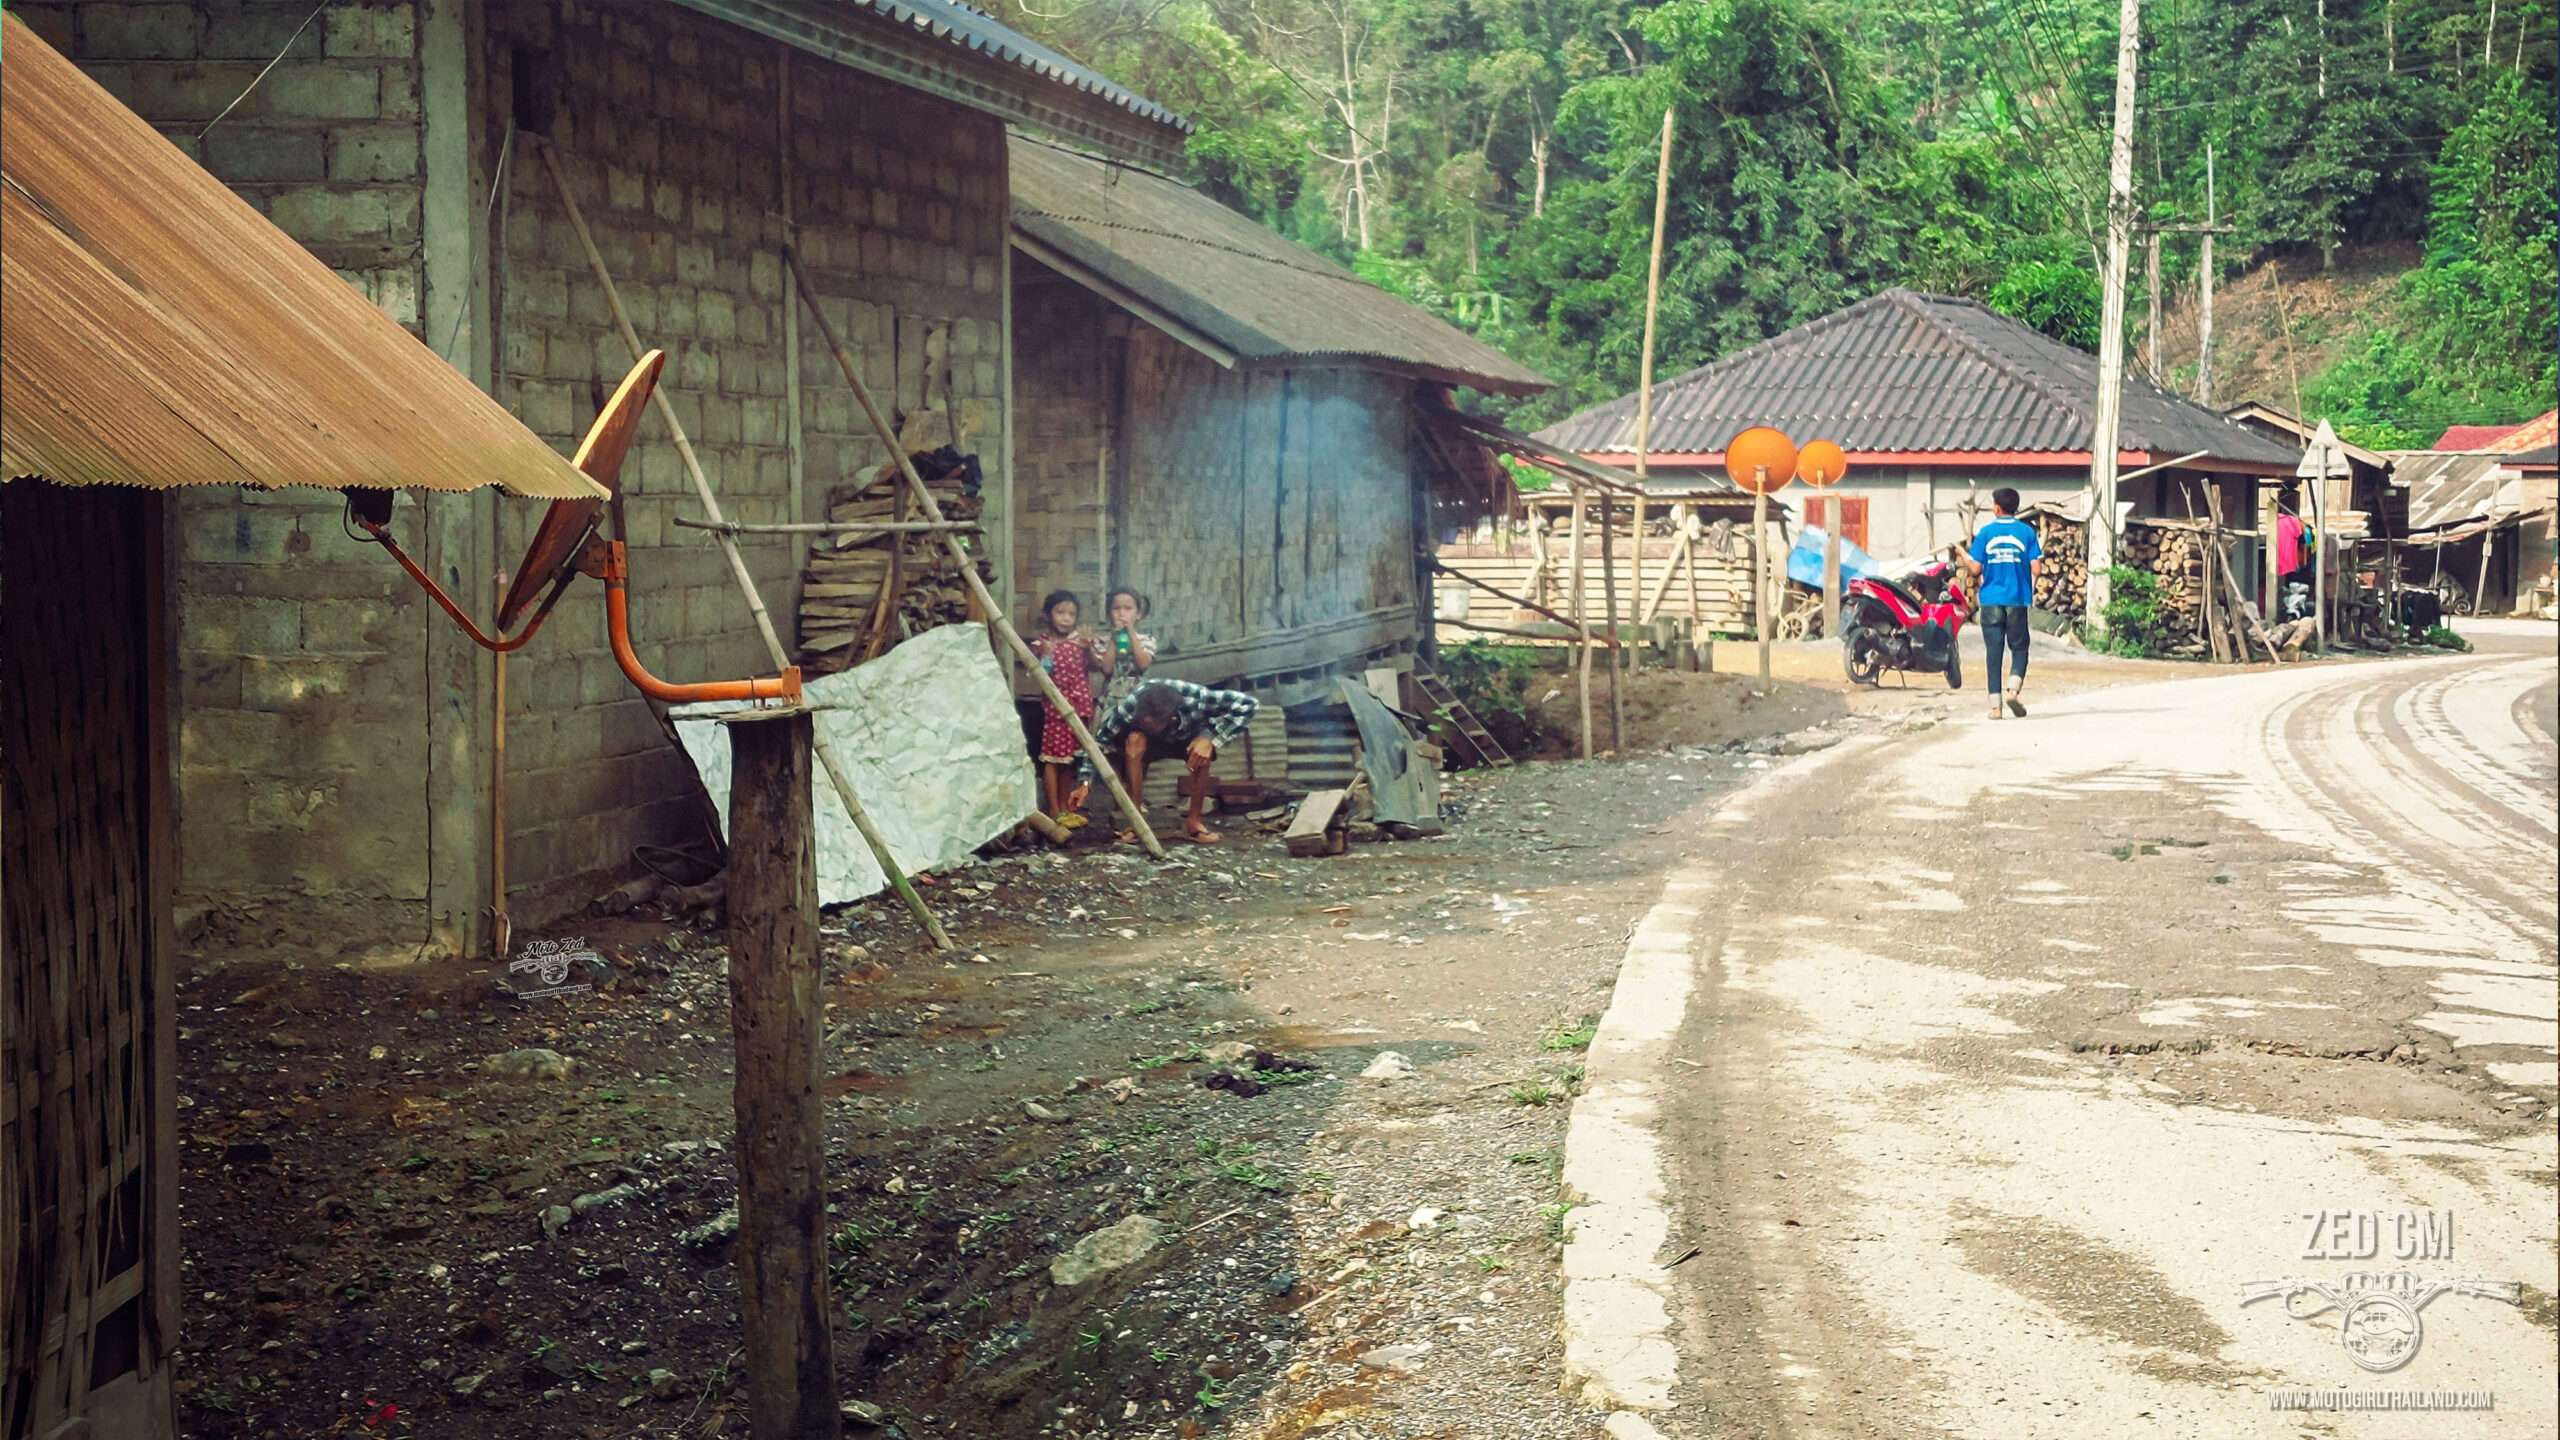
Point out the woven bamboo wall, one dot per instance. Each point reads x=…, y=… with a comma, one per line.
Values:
x=87, y=1208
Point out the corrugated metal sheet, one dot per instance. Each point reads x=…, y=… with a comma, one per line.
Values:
x=2458, y=438
x=2534, y=434
x=979, y=31
x=1237, y=284
x=2445, y=488
x=156, y=331
x=1904, y=372
x=2542, y=459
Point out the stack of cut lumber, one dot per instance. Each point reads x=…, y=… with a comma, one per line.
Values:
x=845, y=618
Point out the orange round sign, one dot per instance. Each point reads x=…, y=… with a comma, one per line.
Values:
x=1760, y=452
x=1821, y=464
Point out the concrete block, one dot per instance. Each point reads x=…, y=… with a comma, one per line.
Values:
x=190, y=92
x=716, y=316
x=764, y=276
x=240, y=535
x=542, y=293
x=51, y=24
x=258, y=32
x=399, y=93
x=697, y=263
x=348, y=626
x=250, y=154
x=547, y=406
x=277, y=682
x=698, y=368
x=679, y=312
x=723, y=420
x=710, y=215
x=378, y=31
x=233, y=625
x=319, y=214
x=374, y=152
x=316, y=90
x=140, y=32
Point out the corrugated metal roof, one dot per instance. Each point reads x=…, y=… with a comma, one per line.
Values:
x=2534, y=434
x=979, y=31
x=2457, y=438
x=1238, y=285
x=156, y=331
x=2446, y=487
x=1903, y=372
x=2542, y=459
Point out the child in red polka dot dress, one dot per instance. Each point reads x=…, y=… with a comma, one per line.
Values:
x=1072, y=657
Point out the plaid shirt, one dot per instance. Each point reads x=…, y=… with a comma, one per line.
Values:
x=1219, y=714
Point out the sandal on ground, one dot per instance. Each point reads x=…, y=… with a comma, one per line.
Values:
x=1202, y=835
x=1070, y=821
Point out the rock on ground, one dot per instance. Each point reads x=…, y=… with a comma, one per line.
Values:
x=1111, y=1248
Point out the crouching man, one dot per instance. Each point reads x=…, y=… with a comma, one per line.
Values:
x=1166, y=717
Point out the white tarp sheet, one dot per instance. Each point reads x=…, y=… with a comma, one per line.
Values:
x=930, y=739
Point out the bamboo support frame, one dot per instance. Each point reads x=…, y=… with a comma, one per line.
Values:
x=1501, y=594
x=968, y=564
x=827, y=527
x=871, y=837
x=1609, y=607
x=1582, y=664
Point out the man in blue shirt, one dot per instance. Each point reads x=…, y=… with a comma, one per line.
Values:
x=2003, y=561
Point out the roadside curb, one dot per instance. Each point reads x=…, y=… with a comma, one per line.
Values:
x=1617, y=1312
x=1618, y=1352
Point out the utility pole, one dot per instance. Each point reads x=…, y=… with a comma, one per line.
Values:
x=2204, y=278
x=2102, y=444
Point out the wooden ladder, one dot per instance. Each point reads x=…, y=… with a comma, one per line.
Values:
x=1471, y=731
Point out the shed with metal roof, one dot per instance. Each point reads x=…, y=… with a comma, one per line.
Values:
x=1248, y=433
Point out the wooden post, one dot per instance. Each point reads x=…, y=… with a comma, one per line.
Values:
x=1581, y=623
x=1831, y=560
x=2151, y=325
x=773, y=1019
x=853, y=808
x=1609, y=613
x=1103, y=765
x=501, y=925
x=1760, y=557
x=1693, y=533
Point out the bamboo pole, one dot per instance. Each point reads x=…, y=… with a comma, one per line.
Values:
x=1609, y=608
x=968, y=566
x=1582, y=665
x=828, y=527
x=501, y=926
x=1507, y=630
x=871, y=836
x=1644, y=382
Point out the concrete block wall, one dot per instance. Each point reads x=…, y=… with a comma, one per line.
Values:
x=303, y=728
x=669, y=126
x=1062, y=394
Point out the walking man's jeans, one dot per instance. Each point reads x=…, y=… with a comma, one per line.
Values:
x=2004, y=631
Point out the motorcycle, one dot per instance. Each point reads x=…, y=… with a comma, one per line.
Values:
x=1889, y=625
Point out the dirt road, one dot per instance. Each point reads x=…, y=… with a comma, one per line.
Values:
x=2012, y=1052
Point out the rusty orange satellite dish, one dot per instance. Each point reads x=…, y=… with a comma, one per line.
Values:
x=1757, y=453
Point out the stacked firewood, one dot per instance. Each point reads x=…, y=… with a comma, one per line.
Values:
x=2062, y=581
x=863, y=593
x=2173, y=553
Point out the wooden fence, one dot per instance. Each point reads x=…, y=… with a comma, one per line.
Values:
x=1709, y=582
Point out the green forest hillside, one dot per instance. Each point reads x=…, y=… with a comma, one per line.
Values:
x=1494, y=160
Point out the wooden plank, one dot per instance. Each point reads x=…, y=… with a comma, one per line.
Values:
x=1318, y=815
x=773, y=1020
